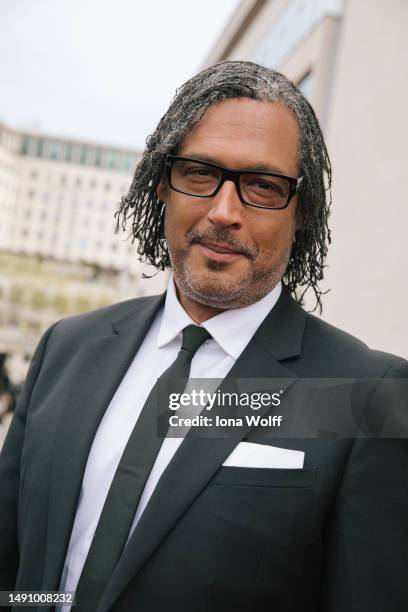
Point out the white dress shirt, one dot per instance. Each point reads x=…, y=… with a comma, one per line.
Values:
x=230, y=330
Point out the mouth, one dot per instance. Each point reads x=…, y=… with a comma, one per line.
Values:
x=218, y=251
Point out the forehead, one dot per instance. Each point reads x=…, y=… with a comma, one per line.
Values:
x=243, y=132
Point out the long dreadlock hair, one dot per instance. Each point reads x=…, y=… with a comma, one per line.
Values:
x=223, y=81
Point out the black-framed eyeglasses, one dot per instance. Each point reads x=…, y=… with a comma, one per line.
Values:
x=202, y=179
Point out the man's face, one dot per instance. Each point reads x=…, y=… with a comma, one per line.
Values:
x=239, y=134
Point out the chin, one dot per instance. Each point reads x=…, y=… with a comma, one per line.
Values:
x=217, y=288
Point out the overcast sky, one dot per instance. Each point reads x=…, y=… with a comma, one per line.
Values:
x=101, y=70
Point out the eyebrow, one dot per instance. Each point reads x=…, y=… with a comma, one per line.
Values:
x=215, y=160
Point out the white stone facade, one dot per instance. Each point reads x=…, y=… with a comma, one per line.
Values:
x=58, y=199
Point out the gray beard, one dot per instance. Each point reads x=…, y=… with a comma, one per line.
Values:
x=228, y=295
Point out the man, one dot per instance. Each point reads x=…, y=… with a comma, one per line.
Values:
x=232, y=193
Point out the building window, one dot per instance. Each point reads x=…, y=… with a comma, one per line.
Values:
x=34, y=174
x=30, y=194
x=63, y=179
x=40, y=147
x=24, y=146
x=127, y=163
x=90, y=156
x=54, y=150
x=76, y=153
x=78, y=182
x=112, y=160
x=82, y=159
x=107, y=186
x=32, y=146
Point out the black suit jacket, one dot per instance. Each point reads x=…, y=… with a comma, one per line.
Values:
x=331, y=537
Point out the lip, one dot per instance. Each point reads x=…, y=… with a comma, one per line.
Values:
x=218, y=251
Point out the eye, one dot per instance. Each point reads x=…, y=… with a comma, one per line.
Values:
x=267, y=186
x=263, y=185
x=199, y=171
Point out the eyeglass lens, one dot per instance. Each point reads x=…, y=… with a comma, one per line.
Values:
x=197, y=178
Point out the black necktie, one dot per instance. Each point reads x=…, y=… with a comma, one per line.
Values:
x=129, y=481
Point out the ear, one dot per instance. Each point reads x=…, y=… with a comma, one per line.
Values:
x=162, y=190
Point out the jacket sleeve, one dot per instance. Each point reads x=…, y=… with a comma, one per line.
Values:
x=10, y=473
x=366, y=539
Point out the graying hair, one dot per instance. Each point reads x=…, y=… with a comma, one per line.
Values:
x=223, y=81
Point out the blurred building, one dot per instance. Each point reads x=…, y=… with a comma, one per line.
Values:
x=59, y=253
x=58, y=198
x=349, y=58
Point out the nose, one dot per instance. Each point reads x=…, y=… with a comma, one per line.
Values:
x=226, y=207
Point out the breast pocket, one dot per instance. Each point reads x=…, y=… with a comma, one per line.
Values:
x=265, y=477
x=258, y=505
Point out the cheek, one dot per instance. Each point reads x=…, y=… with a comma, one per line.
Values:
x=171, y=233
x=180, y=217
x=275, y=241
x=176, y=223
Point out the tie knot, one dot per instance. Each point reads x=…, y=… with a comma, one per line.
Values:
x=193, y=338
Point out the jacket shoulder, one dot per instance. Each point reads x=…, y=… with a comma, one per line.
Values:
x=334, y=349
x=100, y=321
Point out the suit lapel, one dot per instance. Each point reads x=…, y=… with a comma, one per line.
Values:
x=198, y=459
x=100, y=365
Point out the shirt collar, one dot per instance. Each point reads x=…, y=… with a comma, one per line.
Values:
x=231, y=329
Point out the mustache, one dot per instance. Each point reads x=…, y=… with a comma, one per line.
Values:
x=219, y=235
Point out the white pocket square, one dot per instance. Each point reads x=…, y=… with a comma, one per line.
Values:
x=248, y=454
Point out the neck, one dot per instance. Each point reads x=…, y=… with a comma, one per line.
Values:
x=197, y=311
